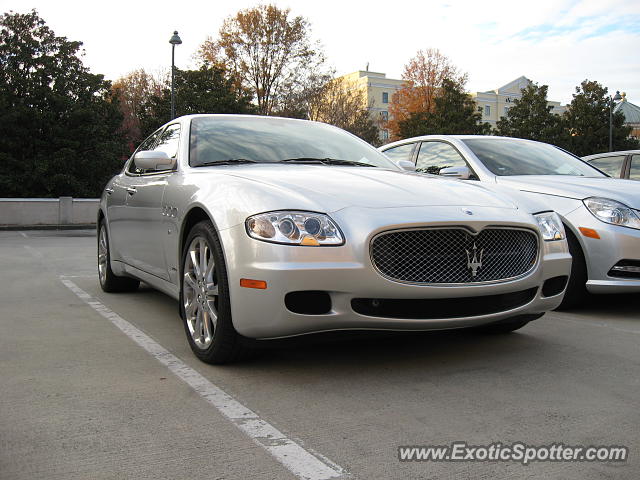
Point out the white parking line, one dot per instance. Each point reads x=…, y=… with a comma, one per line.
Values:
x=24, y=234
x=302, y=463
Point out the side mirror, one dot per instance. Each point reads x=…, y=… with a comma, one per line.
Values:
x=154, y=160
x=406, y=165
x=463, y=173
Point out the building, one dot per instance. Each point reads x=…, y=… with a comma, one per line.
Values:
x=494, y=104
x=379, y=90
x=631, y=114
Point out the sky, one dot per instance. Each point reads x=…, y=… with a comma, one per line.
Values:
x=558, y=43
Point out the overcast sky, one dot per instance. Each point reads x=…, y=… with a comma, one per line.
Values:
x=558, y=43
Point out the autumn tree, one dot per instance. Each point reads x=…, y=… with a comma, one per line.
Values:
x=59, y=123
x=269, y=51
x=344, y=105
x=586, y=122
x=454, y=113
x=424, y=75
x=135, y=91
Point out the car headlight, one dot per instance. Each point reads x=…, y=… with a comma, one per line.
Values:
x=294, y=228
x=610, y=211
x=550, y=226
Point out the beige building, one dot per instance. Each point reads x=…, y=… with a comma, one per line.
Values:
x=494, y=104
x=379, y=90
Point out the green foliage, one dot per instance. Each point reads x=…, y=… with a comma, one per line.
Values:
x=587, y=123
x=530, y=117
x=59, y=123
x=455, y=113
x=206, y=90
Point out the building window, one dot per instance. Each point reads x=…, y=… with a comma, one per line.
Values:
x=384, y=116
x=385, y=134
x=385, y=97
x=506, y=111
x=487, y=110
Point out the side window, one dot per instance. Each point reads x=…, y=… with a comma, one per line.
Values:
x=148, y=144
x=169, y=140
x=434, y=156
x=634, y=172
x=401, y=152
x=610, y=165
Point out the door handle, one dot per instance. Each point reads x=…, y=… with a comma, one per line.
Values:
x=109, y=190
x=131, y=190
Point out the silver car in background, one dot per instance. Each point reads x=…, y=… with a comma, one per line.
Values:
x=266, y=227
x=622, y=164
x=601, y=214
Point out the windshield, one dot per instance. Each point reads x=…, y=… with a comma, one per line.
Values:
x=504, y=156
x=221, y=138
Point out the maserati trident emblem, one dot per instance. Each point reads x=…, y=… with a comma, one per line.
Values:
x=474, y=259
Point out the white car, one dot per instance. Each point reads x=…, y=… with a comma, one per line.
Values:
x=601, y=215
x=266, y=227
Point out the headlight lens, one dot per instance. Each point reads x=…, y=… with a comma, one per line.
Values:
x=610, y=211
x=294, y=228
x=550, y=226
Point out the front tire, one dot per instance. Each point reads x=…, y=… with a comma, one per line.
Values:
x=205, y=306
x=510, y=325
x=109, y=281
x=576, y=293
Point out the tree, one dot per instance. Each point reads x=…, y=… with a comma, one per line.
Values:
x=59, y=123
x=454, y=113
x=206, y=90
x=530, y=117
x=135, y=91
x=344, y=105
x=587, y=122
x=268, y=51
x=424, y=76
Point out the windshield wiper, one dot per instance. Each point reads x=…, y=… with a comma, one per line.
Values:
x=230, y=161
x=327, y=161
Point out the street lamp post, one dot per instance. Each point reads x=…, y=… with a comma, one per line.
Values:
x=175, y=40
x=612, y=100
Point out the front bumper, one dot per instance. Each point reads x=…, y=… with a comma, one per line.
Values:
x=614, y=245
x=346, y=273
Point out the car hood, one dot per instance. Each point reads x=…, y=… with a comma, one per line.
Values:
x=333, y=188
x=579, y=188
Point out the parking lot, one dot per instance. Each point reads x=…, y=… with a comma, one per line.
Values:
x=80, y=399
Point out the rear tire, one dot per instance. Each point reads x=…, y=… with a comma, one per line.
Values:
x=576, y=293
x=205, y=306
x=109, y=281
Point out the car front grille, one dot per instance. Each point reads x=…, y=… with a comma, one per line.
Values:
x=454, y=255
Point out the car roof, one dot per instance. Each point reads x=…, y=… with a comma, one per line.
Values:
x=610, y=154
x=453, y=137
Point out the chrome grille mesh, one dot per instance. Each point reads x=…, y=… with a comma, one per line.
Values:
x=443, y=255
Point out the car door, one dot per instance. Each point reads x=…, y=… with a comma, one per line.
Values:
x=120, y=236
x=435, y=155
x=144, y=222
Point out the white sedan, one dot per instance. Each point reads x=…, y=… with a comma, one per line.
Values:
x=267, y=227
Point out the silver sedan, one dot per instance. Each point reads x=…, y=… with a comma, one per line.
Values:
x=268, y=227
x=600, y=214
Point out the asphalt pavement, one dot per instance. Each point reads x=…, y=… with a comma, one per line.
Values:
x=79, y=399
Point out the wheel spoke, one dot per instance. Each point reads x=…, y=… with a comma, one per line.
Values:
x=194, y=261
x=207, y=327
x=203, y=257
x=212, y=291
x=190, y=280
x=190, y=307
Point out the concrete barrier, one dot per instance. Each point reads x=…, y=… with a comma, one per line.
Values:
x=63, y=212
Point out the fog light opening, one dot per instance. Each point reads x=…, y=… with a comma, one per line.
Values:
x=308, y=302
x=554, y=286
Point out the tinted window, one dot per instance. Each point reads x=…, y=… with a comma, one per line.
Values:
x=634, y=173
x=504, y=156
x=169, y=141
x=402, y=152
x=612, y=166
x=434, y=156
x=219, y=138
